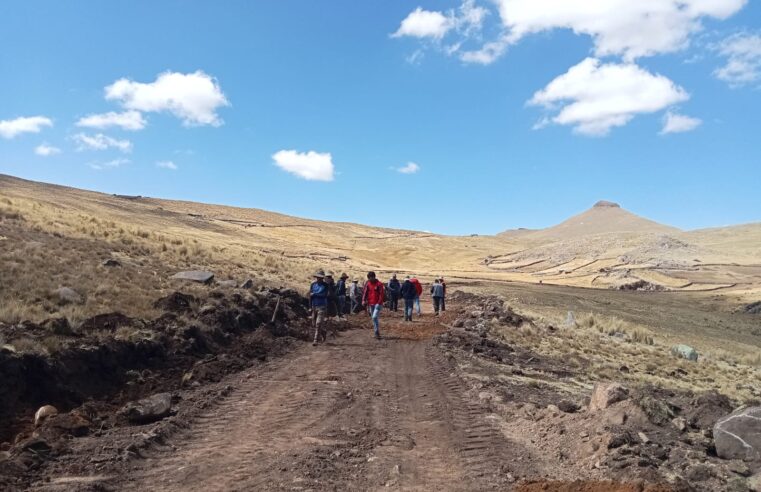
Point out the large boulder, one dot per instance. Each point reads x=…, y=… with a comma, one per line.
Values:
x=149, y=409
x=606, y=394
x=685, y=352
x=738, y=435
x=200, y=276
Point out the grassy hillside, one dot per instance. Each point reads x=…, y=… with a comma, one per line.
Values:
x=53, y=236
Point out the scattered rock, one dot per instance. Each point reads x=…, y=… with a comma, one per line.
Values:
x=43, y=413
x=643, y=437
x=568, y=406
x=738, y=435
x=684, y=352
x=657, y=411
x=739, y=467
x=753, y=308
x=606, y=394
x=227, y=283
x=679, y=424
x=176, y=302
x=199, y=276
x=149, y=409
x=67, y=295
x=8, y=348
x=458, y=323
x=248, y=284
x=111, y=263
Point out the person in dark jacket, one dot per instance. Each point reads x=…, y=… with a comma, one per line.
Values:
x=437, y=293
x=332, y=302
x=332, y=299
x=444, y=298
x=409, y=293
x=341, y=295
x=393, y=289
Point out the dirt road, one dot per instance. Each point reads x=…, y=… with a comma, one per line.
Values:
x=354, y=414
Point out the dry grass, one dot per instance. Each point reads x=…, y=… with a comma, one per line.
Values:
x=612, y=349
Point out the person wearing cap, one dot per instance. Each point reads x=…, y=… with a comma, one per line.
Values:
x=341, y=294
x=437, y=293
x=355, y=295
x=409, y=293
x=394, y=288
x=318, y=301
x=419, y=290
x=373, y=296
x=444, y=297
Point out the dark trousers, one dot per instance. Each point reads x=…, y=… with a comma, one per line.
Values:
x=437, y=302
x=341, y=305
x=409, y=305
x=394, y=300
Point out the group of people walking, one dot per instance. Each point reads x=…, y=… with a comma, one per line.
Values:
x=328, y=298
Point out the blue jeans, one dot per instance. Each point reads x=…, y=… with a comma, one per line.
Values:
x=341, y=305
x=417, y=303
x=409, y=304
x=375, y=310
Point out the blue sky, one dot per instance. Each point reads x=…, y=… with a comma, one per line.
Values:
x=517, y=113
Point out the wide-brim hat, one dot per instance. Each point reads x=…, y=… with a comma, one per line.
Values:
x=343, y=275
x=355, y=280
x=329, y=274
x=319, y=274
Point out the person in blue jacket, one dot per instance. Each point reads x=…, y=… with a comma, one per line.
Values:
x=318, y=301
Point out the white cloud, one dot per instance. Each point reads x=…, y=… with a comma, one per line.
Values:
x=101, y=142
x=470, y=17
x=743, y=53
x=167, y=165
x=410, y=168
x=679, y=123
x=25, y=124
x=466, y=21
x=628, y=28
x=100, y=166
x=424, y=24
x=595, y=97
x=193, y=97
x=488, y=53
x=127, y=120
x=312, y=166
x=46, y=150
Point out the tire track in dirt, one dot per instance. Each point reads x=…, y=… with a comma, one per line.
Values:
x=353, y=414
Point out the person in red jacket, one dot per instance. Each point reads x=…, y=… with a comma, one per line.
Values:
x=373, y=297
x=419, y=289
